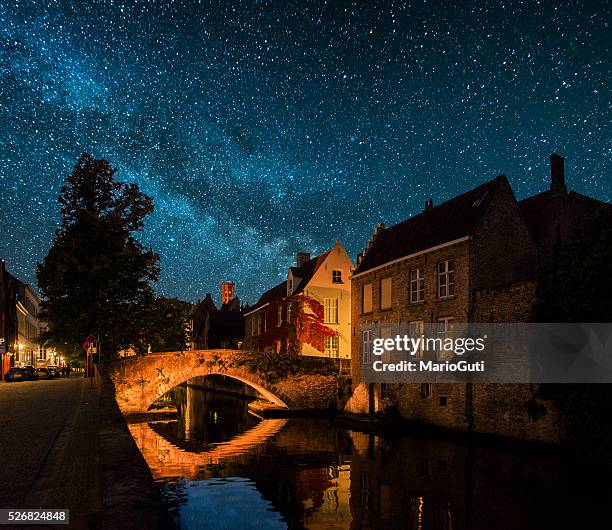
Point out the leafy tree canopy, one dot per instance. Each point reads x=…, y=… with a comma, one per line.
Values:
x=97, y=276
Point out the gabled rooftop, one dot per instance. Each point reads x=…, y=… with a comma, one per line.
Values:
x=451, y=220
x=307, y=271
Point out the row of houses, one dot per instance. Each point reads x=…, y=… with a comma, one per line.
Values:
x=473, y=258
x=20, y=325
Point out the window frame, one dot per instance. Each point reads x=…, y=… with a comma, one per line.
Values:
x=330, y=309
x=339, y=278
x=419, y=285
x=386, y=280
x=420, y=324
x=366, y=353
x=333, y=350
x=448, y=275
x=363, y=298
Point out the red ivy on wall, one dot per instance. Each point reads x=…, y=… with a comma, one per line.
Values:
x=305, y=327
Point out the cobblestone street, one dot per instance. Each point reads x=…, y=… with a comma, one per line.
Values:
x=48, y=442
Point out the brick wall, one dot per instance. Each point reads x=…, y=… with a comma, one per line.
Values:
x=401, y=309
x=502, y=248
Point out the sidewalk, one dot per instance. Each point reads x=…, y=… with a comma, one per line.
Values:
x=49, y=439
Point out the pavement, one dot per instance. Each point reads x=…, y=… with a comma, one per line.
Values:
x=49, y=441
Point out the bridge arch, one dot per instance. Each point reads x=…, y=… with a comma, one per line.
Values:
x=267, y=390
x=139, y=381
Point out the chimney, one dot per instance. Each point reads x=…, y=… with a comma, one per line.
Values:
x=428, y=204
x=301, y=258
x=557, y=174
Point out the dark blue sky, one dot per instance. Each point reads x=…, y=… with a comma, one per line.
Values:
x=265, y=128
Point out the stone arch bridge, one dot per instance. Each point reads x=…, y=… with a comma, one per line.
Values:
x=140, y=380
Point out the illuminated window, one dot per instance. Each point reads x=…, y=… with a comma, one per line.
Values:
x=446, y=278
x=330, y=315
x=366, y=299
x=417, y=285
x=385, y=293
x=279, y=319
x=332, y=346
x=336, y=276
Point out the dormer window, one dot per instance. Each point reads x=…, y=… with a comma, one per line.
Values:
x=336, y=276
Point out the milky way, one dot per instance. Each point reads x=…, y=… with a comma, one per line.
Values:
x=266, y=128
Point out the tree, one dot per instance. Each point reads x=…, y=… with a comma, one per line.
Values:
x=166, y=325
x=97, y=276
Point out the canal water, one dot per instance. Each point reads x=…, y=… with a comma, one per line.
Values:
x=220, y=467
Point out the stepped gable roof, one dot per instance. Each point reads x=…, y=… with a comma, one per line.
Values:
x=446, y=222
x=307, y=271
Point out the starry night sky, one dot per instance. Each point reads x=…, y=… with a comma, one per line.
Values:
x=262, y=128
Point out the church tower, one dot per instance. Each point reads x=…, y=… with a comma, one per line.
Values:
x=227, y=292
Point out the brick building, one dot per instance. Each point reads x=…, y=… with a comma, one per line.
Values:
x=473, y=258
x=312, y=285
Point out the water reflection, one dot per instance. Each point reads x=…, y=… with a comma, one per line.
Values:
x=220, y=467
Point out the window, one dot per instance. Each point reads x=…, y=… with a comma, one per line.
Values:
x=366, y=298
x=330, y=315
x=425, y=390
x=385, y=293
x=443, y=401
x=417, y=286
x=288, y=313
x=366, y=346
x=279, y=319
x=415, y=329
x=336, y=276
x=446, y=326
x=446, y=278
x=446, y=329
x=332, y=346
x=265, y=322
x=255, y=325
x=289, y=286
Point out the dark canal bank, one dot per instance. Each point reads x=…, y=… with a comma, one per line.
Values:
x=220, y=467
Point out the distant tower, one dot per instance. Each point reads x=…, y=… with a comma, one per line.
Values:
x=227, y=292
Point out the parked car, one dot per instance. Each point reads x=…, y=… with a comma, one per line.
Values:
x=53, y=371
x=14, y=375
x=30, y=373
x=43, y=373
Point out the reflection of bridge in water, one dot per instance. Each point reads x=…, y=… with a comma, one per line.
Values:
x=167, y=459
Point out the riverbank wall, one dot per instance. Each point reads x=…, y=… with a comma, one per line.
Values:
x=130, y=498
